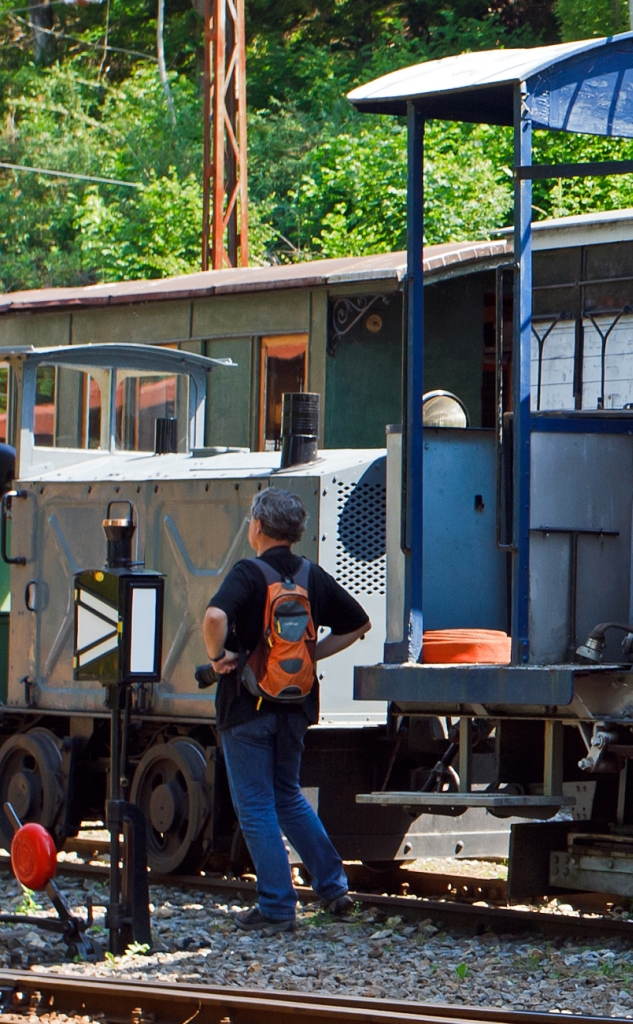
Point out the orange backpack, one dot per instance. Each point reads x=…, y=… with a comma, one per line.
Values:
x=281, y=667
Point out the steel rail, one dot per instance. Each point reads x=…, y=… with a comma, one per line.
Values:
x=416, y=883
x=118, y=1001
x=445, y=913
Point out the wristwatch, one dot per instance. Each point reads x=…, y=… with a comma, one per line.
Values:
x=219, y=657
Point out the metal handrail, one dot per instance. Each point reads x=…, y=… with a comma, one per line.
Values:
x=5, y=515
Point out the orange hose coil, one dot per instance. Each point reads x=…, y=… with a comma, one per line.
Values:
x=466, y=647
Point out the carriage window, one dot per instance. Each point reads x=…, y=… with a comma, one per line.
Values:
x=283, y=369
x=140, y=401
x=67, y=408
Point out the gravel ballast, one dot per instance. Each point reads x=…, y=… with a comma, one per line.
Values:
x=369, y=954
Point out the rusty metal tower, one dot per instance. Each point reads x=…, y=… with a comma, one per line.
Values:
x=225, y=196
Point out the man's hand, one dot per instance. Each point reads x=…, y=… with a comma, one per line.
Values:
x=333, y=643
x=227, y=663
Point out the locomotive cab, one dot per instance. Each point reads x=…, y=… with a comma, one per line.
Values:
x=558, y=710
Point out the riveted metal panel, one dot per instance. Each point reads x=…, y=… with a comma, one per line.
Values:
x=580, y=482
x=58, y=529
x=195, y=536
x=191, y=516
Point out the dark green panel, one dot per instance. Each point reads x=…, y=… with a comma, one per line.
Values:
x=363, y=378
x=454, y=339
x=229, y=393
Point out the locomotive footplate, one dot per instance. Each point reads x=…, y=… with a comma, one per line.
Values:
x=456, y=803
x=567, y=691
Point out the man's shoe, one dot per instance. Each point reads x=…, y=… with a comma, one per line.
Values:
x=341, y=905
x=253, y=920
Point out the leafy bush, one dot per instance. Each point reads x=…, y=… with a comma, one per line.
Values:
x=323, y=180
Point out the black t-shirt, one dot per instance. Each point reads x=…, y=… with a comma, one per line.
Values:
x=242, y=597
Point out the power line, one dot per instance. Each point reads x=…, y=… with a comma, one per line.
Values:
x=94, y=43
x=69, y=174
x=66, y=3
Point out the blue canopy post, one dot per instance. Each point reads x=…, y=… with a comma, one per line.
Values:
x=413, y=449
x=522, y=345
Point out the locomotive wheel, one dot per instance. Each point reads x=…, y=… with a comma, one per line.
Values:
x=30, y=780
x=169, y=787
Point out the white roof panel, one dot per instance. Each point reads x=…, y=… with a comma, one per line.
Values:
x=479, y=86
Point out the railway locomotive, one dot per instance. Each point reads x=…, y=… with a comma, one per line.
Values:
x=557, y=572
x=120, y=438
x=522, y=528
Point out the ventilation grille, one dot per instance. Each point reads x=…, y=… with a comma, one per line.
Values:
x=361, y=563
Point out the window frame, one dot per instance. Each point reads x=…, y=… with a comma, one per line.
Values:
x=266, y=342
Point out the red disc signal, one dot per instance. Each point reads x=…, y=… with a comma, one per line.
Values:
x=33, y=856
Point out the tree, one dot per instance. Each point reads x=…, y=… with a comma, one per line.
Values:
x=323, y=180
x=581, y=20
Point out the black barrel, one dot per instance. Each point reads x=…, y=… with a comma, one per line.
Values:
x=299, y=428
x=166, y=435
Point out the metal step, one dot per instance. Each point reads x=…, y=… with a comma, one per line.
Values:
x=417, y=799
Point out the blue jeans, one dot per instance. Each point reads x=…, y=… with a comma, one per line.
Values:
x=263, y=758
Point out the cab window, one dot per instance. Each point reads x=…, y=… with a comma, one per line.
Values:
x=141, y=400
x=68, y=408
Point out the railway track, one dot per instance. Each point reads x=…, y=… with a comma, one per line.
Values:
x=402, y=882
x=31, y=994
x=455, y=902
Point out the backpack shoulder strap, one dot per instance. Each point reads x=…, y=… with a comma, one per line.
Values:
x=302, y=576
x=270, y=575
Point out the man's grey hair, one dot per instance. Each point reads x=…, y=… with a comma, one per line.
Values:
x=282, y=515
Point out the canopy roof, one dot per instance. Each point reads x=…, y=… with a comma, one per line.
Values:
x=584, y=87
x=149, y=358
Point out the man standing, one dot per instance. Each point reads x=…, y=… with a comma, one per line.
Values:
x=262, y=739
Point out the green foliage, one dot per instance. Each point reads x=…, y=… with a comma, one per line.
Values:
x=568, y=197
x=63, y=231
x=28, y=904
x=353, y=199
x=137, y=949
x=152, y=234
x=581, y=20
x=461, y=971
x=323, y=180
